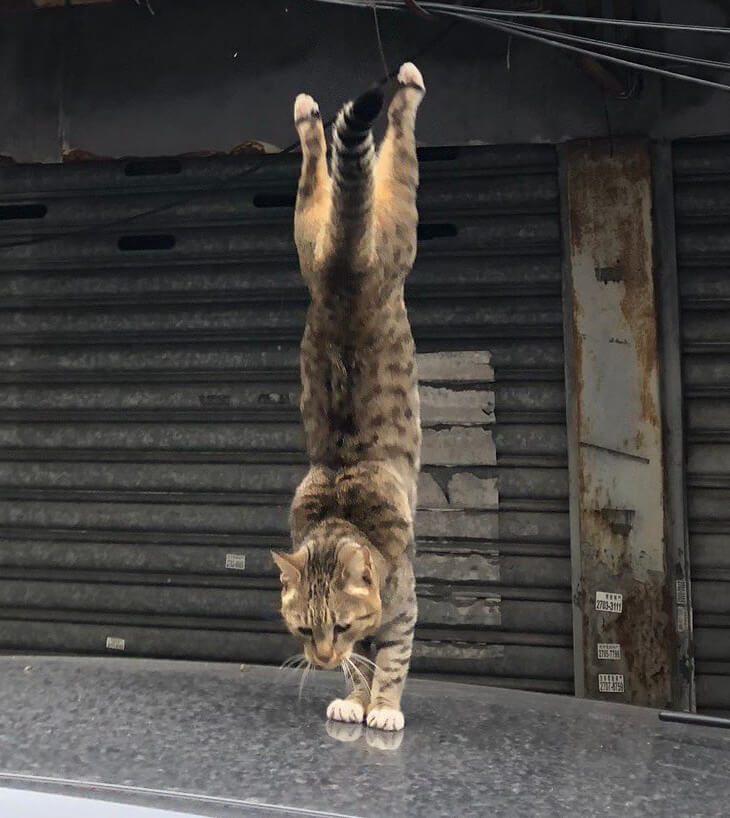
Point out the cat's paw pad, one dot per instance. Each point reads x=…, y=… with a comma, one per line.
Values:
x=305, y=108
x=410, y=75
x=346, y=710
x=385, y=718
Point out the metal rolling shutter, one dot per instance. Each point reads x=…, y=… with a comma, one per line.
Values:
x=702, y=202
x=149, y=425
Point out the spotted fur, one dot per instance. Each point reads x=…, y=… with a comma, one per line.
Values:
x=348, y=585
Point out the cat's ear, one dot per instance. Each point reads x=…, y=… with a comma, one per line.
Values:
x=357, y=568
x=290, y=565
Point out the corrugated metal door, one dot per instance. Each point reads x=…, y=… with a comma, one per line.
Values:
x=149, y=424
x=702, y=203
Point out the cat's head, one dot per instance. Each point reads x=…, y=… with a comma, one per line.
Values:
x=330, y=597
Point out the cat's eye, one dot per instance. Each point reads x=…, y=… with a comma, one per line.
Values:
x=305, y=631
x=341, y=629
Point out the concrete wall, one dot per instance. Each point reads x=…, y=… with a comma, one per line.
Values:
x=209, y=74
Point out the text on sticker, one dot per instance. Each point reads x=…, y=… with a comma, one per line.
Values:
x=610, y=683
x=609, y=650
x=236, y=561
x=114, y=643
x=608, y=602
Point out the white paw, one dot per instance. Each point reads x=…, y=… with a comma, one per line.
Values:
x=345, y=710
x=385, y=718
x=410, y=75
x=305, y=108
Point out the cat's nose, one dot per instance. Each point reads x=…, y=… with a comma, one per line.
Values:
x=324, y=653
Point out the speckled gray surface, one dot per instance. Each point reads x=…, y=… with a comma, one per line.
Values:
x=466, y=751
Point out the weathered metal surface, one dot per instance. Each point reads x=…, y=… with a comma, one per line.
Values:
x=615, y=431
x=459, y=446
x=462, y=366
x=702, y=197
x=465, y=407
x=457, y=565
x=149, y=431
x=673, y=418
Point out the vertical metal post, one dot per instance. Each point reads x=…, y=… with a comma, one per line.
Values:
x=623, y=614
x=672, y=399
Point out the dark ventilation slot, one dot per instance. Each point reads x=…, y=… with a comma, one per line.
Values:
x=437, y=231
x=152, y=167
x=22, y=211
x=438, y=154
x=146, y=242
x=274, y=200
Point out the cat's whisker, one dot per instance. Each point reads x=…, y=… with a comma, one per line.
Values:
x=347, y=673
x=366, y=684
x=295, y=665
x=360, y=674
x=369, y=662
x=291, y=661
x=305, y=673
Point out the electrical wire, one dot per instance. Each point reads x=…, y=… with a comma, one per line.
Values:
x=386, y=68
x=545, y=38
x=629, y=49
x=574, y=18
x=447, y=8
x=486, y=17
x=183, y=200
x=480, y=16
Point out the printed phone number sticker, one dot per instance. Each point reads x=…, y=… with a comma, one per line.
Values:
x=610, y=683
x=609, y=650
x=236, y=562
x=609, y=603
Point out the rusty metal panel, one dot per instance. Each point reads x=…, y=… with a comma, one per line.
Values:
x=149, y=430
x=623, y=614
x=702, y=204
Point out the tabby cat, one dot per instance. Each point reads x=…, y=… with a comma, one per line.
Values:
x=348, y=589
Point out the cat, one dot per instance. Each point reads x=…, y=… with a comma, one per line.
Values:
x=348, y=587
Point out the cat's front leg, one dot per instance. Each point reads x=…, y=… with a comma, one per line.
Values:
x=360, y=675
x=393, y=646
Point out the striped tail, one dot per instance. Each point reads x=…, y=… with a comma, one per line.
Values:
x=353, y=163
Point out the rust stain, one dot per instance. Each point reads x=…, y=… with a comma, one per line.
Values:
x=250, y=146
x=637, y=303
x=592, y=189
x=606, y=188
x=79, y=155
x=645, y=630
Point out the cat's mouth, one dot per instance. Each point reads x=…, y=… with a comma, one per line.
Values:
x=327, y=661
x=328, y=664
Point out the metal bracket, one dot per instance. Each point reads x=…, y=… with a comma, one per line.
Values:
x=620, y=520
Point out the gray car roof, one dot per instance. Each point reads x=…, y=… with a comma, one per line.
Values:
x=214, y=739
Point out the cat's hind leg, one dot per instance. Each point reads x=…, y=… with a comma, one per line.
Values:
x=396, y=172
x=313, y=193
